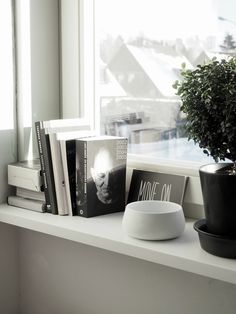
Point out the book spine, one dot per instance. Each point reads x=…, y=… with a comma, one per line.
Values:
x=81, y=178
x=71, y=166
x=46, y=165
x=38, y=127
x=25, y=203
x=59, y=181
x=22, y=192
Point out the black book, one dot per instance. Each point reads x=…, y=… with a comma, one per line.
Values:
x=70, y=149
x=46, y=167
x=68, y=163
x=100, y=175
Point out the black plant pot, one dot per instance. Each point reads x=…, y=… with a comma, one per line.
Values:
x=219, y=198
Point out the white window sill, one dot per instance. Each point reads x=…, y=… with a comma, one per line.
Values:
x=105, y=232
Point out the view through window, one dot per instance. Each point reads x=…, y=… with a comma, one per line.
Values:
x=142, y=45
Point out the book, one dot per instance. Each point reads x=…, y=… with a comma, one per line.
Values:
x=46, y=167
x=58, y=175
x=100, y=175
x=34, y=195
x=68, y=152
x=149, y=185
x=26, y=174
x=43, y=129
x=61, y=177
x=68, y=165
x=35, y=205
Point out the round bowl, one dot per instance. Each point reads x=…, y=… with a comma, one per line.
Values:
x=153, y=220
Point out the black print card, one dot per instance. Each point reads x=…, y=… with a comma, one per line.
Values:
x=147, y=185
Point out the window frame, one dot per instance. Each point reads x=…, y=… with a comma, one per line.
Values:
x=78, y=62
x=37, y=68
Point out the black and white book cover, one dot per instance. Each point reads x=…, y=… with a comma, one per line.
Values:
x=100, y=175
x=148, y=185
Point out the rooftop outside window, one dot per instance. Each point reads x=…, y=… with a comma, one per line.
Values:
x=142, y=47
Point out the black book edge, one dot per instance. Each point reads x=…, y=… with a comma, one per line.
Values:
x=81, y=178
x=46, y=167
x=71, y=166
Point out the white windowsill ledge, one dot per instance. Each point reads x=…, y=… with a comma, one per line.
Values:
x=106, y=232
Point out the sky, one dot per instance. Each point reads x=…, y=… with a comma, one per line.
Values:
x=166, y=19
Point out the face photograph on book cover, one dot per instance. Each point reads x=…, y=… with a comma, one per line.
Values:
x=105, y=177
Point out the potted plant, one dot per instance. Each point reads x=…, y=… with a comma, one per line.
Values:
x=208, y=95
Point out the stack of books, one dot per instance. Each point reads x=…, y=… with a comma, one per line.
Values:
x=82, y=174
x=26, y=176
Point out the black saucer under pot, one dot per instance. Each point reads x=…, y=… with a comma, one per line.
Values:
x=219, y=198
x=215, y=244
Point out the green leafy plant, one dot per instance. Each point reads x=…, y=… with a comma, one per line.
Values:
x=208, y=95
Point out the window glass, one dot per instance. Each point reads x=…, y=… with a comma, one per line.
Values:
x=142, y=45
x=6, y=66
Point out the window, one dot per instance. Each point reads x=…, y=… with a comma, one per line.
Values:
x=6, y=66
x=141, y=46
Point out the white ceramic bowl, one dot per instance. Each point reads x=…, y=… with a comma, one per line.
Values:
x=153, y=220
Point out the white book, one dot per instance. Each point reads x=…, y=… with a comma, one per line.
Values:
x=34, y=195
x=64, y=125
x=58, y=176
x=26, y=203
x=61, y=183
x=25, y=174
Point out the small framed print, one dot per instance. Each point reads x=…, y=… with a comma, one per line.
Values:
x=148, y=185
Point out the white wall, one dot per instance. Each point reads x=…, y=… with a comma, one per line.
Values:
x=63, y=277
x=9, y=284
x=44, y=65
x=8, y=246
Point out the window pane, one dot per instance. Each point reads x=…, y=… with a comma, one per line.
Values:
x=142, y=46
x=6, y=66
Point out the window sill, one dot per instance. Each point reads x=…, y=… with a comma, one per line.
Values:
x=105, y=232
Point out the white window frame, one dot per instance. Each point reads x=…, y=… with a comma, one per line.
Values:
x=78, y=70
x=37, y=67
x=78, y=62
